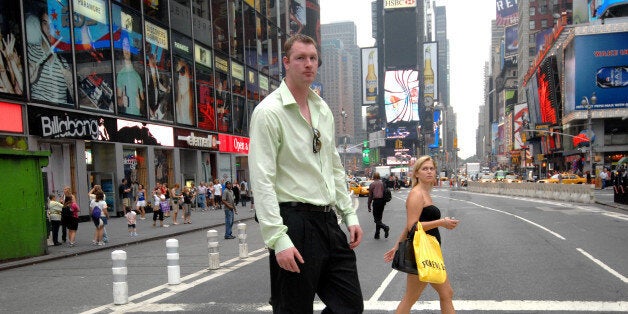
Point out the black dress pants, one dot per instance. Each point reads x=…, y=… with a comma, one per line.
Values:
x=378, y=213
x=329, y=269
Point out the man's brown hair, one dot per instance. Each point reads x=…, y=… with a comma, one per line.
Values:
x=287, y=46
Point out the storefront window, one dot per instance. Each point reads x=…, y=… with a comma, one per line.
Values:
x=49, y=51
x=12, y=58
x=129, y=56
x=135, y=170
x=180, y=18
x=137, y=5
x=250, y=35
x=239, y=114
x=252, y=89
x=205, y=88
x=92, y=46
x=237, y=30
x=184, y=79
x=263, y=47
x=156, y=9
x=223, y=94
x=202, y=23
x=220, y=19
x=159, y=75
x=164, y=170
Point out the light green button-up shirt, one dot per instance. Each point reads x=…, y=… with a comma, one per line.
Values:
x=284, y=167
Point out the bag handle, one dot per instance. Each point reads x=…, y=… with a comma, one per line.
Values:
x=410, y=234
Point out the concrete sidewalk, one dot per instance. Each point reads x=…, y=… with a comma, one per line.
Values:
x=117, y=232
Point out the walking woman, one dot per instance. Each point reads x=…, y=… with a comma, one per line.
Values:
x=73, y=221
x=140, y=201
x=419, y=207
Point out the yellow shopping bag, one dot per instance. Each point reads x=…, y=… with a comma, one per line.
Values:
x=429, y=257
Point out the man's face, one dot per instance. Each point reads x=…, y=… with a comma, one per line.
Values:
x=302, y=64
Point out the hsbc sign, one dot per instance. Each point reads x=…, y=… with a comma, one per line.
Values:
x=397, y=4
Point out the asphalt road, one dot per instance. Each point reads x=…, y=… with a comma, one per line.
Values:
x=508, y=255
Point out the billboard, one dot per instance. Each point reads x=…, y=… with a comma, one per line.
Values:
x=398, y=4
x=597, y=64
x=507, y=12
x=401, y=96
x=512, y=40
x=400, y=34
x=521, y=121
x=369, y=75
x=430, y=72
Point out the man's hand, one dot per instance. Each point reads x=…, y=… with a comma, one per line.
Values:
x=355, y=236
x=287, y=259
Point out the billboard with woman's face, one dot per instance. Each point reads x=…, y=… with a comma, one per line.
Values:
x=12, y=53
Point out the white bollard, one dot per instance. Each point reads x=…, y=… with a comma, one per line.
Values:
x=212, y=248
x=119, y=270
x=243, y=247
x=172, y=254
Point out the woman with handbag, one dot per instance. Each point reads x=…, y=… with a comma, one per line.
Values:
x=419, y=207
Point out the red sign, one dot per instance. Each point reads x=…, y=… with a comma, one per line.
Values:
x=233, y=144
x=11, y=118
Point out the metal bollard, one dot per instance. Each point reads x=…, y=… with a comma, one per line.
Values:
x=172, y=254
x=213, y=251
x=243, y=247
x=119, y=270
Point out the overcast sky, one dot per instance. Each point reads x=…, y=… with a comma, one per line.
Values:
x=469, y=34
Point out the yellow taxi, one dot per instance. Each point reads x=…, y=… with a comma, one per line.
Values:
x=567, y=178
x=360, y=189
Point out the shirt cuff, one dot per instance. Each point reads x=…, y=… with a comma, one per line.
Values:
x=283, y=243
x=351, y=220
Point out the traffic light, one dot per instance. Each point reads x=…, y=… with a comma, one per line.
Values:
x=365, y=144
x=366, y=156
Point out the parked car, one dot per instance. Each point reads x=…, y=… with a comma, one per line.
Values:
x=552, y=179
x=361, y=189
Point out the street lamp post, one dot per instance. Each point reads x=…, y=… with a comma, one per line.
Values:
x=585, y=103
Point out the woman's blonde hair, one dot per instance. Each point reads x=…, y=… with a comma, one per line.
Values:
x=417, y=165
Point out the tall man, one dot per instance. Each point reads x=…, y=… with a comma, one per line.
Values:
x=298, y=178
x=125, y=194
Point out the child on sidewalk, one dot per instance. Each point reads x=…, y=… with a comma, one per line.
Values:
x=131, y=218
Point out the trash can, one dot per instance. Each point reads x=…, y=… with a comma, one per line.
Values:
x=22, y=214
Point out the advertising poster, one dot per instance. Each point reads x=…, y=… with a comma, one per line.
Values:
x=436, y=142
x=600, y=65
x=12, y=56
x=128, y=50
x=159, y=75
x=205, y=88
x=507, y=12
x=313, y=26
x=521, y=122
x=373, y=118
x=369, y=75
x=183, y=79
x=92, y=48
x=401, y=96
x=430, y=73
x=512, y=40
x=49, y=51
x=297, y=16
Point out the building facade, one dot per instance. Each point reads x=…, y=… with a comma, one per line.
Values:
x=150, y=91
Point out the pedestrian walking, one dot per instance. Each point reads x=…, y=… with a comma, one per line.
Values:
x=376, y=203
x=228, y=200
x=187, y=204
x=124, y=190
x=98, y=210
x=175, y=196
x=140, y=201
x=244, y=190
x=201, y=193
x=292, y=146
x=55, y=210
x=217, y=191
x=419, y=207
x=235, y=188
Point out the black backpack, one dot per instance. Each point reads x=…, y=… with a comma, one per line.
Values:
x=387, y=195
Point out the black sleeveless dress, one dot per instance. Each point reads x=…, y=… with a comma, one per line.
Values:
x=431, y=213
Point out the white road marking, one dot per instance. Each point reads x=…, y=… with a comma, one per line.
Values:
x=604, y=266
x=383, y=286
x=173, y=289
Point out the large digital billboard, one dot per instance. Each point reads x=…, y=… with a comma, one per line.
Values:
x=597, y=63
x=548, y=90
x=401, y=95
x=507, y=12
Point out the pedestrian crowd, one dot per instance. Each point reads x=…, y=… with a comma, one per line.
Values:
x=174, y=203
